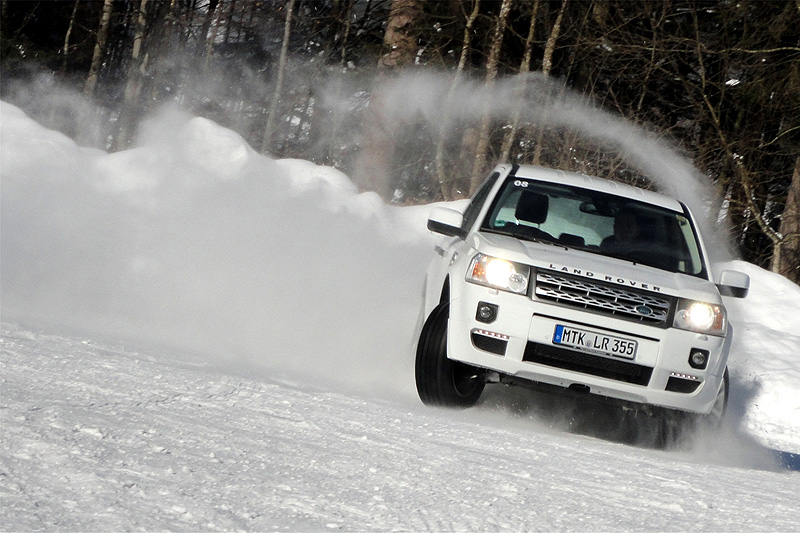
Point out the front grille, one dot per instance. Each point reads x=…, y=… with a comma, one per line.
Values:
x=603, y=367
x=603, y=298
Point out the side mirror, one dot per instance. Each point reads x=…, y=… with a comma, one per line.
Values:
x=446, y=221
x=734, y=283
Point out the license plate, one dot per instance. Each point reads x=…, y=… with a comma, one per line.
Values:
x=589, y=341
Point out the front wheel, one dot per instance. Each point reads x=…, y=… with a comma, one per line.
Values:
x=676, y=425
x=441, y=381
x=713, y=419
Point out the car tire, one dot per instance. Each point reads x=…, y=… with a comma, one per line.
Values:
x=714, y=418
x=441, y=381
x=672, y=427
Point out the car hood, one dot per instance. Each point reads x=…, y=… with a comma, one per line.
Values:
x=555, y=257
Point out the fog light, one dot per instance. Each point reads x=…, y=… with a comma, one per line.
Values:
x=486, y=312
x=698, y=358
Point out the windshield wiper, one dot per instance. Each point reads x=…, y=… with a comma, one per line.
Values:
x=522, y=235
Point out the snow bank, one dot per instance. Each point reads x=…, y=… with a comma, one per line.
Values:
x=765, y=360
x=194, y=241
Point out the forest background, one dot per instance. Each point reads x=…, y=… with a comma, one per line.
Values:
x=308, y=79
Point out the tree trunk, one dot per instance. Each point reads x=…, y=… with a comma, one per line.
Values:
x=214, y=28
x=479, y=162
x=276, y=94
x=180, y=22
x=326, y=124
x=445, y=183
x=65, y=50
x=133, y=83
x=524, y=68
x=162, y=34
x=547, y=66
x=99, y=48
x=786, y=254
x=202, y=38
x=229, y=22
x=550, y=47
x=346, y=32
x=374, y=166
x=400, y=39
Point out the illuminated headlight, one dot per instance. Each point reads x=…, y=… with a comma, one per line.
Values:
x=499, y=274
x=701, y=317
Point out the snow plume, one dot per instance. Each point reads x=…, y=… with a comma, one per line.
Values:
x=358, y=115
x=539, y=100
x=447, y=107
x=58, y=105
x=193, y=240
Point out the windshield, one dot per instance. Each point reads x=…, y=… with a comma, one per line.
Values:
x=596, y=222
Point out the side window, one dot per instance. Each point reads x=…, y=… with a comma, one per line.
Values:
x=474, y=208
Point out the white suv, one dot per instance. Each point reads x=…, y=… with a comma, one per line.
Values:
x=556, y=278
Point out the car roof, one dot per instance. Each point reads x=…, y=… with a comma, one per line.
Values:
x=598, y=184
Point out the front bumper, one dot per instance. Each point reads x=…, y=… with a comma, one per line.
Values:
x=519, y=342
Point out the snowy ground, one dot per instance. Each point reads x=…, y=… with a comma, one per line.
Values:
x=196, y=337
x=96, y=438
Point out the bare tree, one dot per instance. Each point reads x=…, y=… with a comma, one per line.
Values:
x=203, y=37
x=547, y=66
x=229, y=23
x=99, y=48
x=133, y=83
x=786, y=253
x=66, y=49
x=524, y=68
x=400, y=39
x=214, y=28
x=374, y=165
x=344, y=32
x=550, y=46
x=276, y=94
x=446, y=183
x=479, y=161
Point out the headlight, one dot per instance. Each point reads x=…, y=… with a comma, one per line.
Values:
x=701, y=317
x=499, y=274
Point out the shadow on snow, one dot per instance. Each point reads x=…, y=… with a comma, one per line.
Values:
x=589, y=415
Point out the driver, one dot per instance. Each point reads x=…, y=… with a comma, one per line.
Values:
x=627, y=232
